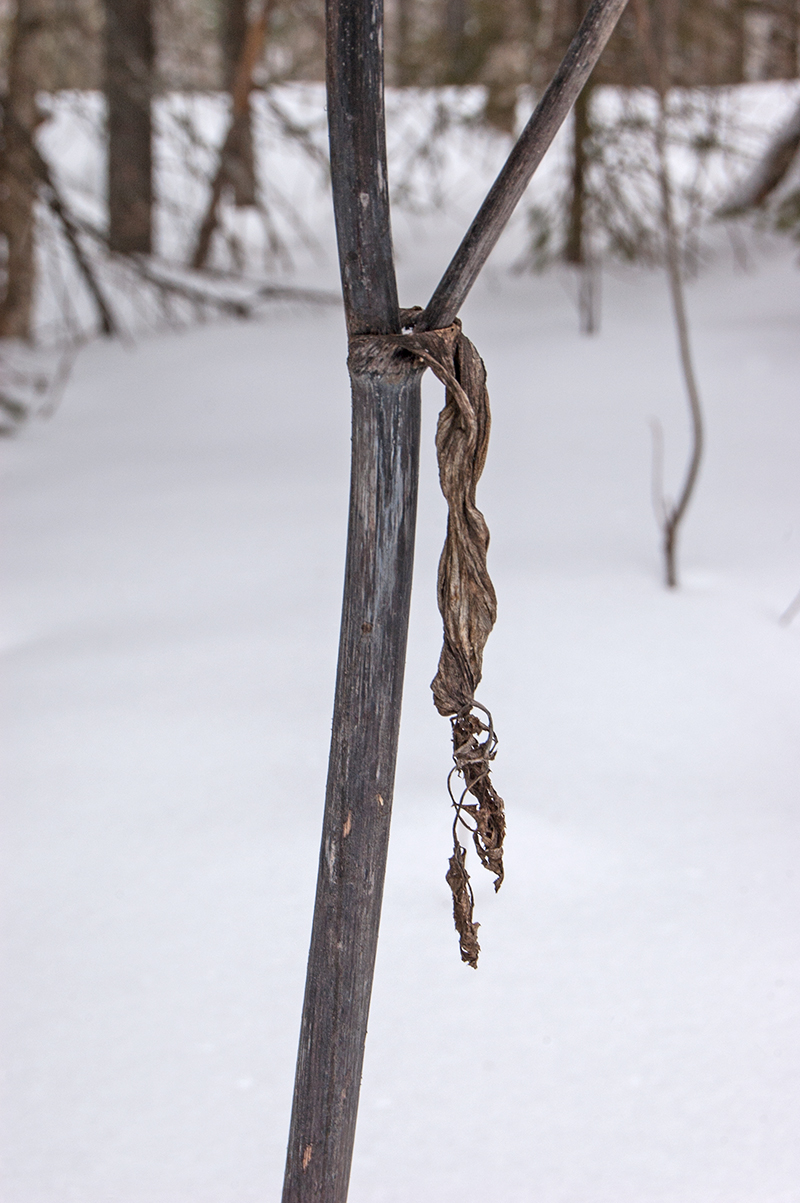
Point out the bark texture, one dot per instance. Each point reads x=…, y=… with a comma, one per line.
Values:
x=229, y=164
x=375, y=612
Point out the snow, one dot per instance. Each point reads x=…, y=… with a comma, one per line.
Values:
x=173, y=556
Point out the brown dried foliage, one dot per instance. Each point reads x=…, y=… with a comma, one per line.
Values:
x=466, y=595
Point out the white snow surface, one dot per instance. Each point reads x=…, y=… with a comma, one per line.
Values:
x=173, y=556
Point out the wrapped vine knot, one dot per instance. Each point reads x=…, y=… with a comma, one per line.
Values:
x=466, y=595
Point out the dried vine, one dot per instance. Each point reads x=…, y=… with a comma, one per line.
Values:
x=466, y=595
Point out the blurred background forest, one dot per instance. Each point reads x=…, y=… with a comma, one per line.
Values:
x=105, y=105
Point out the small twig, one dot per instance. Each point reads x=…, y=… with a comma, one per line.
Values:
x=768, y=173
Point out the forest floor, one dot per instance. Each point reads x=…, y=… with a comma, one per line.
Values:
x=173, y=561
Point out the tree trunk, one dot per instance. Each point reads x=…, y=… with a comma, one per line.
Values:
x=130, y=62
x=372, y=648
x=241, y=162
x=574, y=249
x=17, y=177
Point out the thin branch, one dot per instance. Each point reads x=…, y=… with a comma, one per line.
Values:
x=659, y=81
x=528, y=152
x=236, y=306
x=153, y=272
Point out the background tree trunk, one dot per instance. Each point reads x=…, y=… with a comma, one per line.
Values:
x=130, y=61
x=655, y=43
x=241, y=161
x=17, y=177
x=577, y=246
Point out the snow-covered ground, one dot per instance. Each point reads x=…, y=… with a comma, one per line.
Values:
x=173, y=559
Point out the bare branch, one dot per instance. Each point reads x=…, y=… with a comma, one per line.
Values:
x=659, y=80
x=242, y=87
x=528, y=152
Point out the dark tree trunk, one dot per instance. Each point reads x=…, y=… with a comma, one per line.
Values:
x=233, y=27
x=358, y=804
x=130, y=61
x=241, y=164
x=372, y=648
x=17, y=177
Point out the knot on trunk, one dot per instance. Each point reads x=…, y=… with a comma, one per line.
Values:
x=466, y=596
